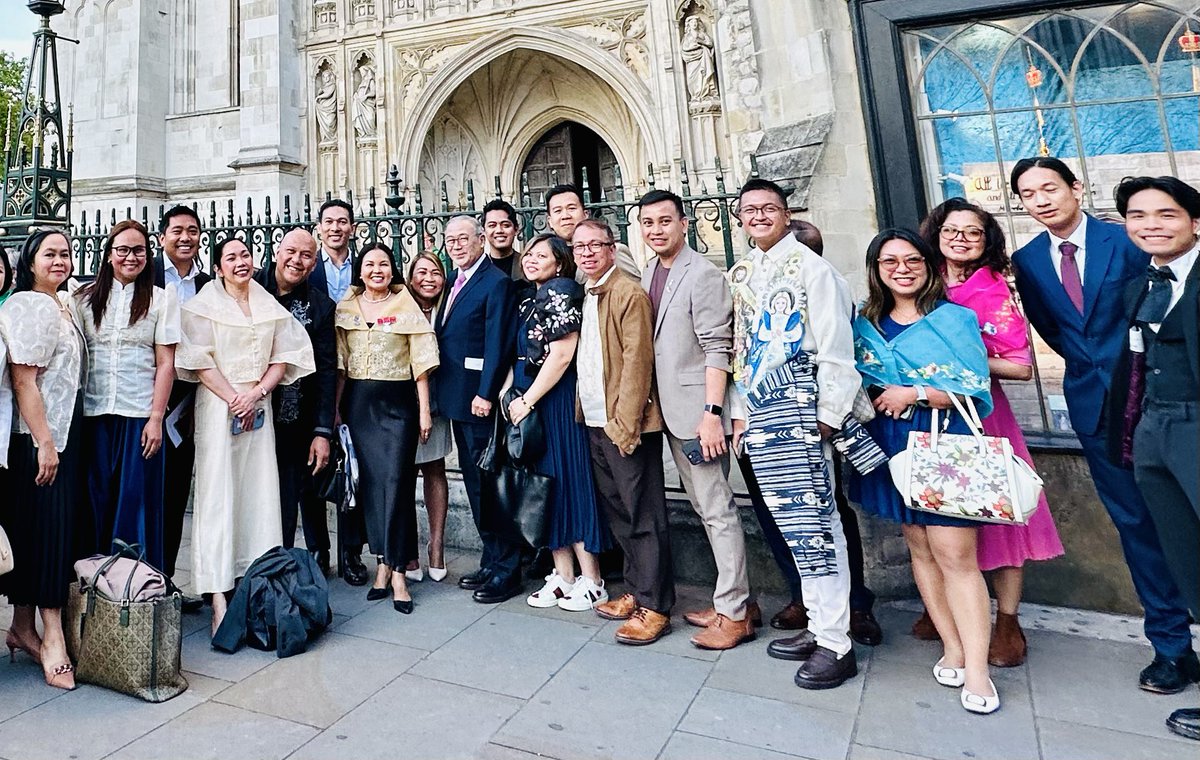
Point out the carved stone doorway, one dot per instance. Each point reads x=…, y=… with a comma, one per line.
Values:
x=566, y=153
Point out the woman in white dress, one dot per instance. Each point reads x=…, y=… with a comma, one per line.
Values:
x=239, y=344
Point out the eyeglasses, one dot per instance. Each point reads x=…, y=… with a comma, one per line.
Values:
x=127, y=252
x=969, y=234
x=750, y=212
x=462, y=241
x=596, y=246
x=910, y=262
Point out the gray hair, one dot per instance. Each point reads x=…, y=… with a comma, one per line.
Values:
x=476, y=226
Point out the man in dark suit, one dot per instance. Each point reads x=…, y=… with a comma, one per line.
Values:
x=179, y=267
x=304, y=410
x=1156, y=389
x=1071, y=279
x=475, y=333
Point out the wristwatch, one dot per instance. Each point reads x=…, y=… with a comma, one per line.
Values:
x=713, y=409
x=922, y=396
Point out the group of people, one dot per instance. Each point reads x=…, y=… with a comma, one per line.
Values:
x=126, y=386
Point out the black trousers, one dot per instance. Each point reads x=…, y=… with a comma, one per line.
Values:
x=500, y=555
x=1166, y=448
x=296, y=495
x=633, y=496
x=177, y=483
x=862, y=599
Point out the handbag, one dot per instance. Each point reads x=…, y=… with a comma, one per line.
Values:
x=333, y=483
x=6, y=557
x=521, y=496
x=525, y=441
x=123, y=630
x=971, y=477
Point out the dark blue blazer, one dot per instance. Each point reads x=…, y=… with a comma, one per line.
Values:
x=1089, y=343
x=318, y=279
x=475, y=336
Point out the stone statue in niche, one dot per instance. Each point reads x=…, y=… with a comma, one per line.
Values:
x=699, y=61
x=326, y=104
x=364, y=99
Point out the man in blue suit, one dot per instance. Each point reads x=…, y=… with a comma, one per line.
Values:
x=475, y=333
x=1072, y=278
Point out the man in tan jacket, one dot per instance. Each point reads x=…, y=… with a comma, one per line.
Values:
x=616, y=401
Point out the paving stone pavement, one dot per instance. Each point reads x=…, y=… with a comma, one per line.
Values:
x=460, y=680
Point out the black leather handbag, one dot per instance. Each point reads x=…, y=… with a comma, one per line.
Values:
x=521, y=496
x=333, y=482
x=526, y=440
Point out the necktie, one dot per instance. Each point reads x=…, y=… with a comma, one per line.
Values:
x=1072, y=282
x=458, y=285
x=1155, y=304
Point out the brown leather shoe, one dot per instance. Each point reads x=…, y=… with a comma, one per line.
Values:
x=791, y=618
x=724, y=633
x=643, y=627
x=709, y=616
x=1007, y=649
x=924, y=629
x=617, y=609
x=864, y=628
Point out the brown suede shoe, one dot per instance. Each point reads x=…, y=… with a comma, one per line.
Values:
x=709, y=616
x=617, y=609
x=724, y=633
x=924, y=629
x=643, y=627
x=791, y=618
x=1007, y=649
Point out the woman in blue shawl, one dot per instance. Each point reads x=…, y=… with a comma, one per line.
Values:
x=913, y=349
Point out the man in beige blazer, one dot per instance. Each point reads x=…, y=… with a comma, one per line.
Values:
x=693, y=343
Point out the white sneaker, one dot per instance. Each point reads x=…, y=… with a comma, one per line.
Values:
x=550, y=594
x=583, y=596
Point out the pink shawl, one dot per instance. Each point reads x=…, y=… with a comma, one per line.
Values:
x=1000, y=321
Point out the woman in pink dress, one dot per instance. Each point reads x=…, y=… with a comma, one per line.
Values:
x=976, y=263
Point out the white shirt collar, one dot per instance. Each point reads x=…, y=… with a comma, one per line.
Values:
x=325, y=257
x=1078, y=237
x=604, y=278
x=170, y=270
x=1182, y=266
x=469, y=271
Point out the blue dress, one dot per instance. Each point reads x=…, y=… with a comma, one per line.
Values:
x=549, y=315
x=876, y=492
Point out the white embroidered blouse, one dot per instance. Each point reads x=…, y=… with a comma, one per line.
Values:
x=121, y=361
x=40, y=332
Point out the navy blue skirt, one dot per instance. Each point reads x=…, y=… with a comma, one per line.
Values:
x=124, y=488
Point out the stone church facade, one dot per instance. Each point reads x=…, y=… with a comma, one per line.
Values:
x=198, y=100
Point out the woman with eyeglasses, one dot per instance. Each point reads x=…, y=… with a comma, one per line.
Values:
x=131, y=328
x=975, y=272
x=40, y=509
x=914, y=349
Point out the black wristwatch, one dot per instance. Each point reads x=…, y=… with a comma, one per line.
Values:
x=713, y=409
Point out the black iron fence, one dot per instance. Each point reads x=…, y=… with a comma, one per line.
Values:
x=407, y=226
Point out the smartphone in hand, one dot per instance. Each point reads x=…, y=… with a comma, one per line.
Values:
x=260, y=417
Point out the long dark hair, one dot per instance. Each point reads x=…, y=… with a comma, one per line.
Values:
x=995, y=251
x=29, y=249
x=880, y=300
x=397, y=275
x=560, y=249
x=9, y=270
x=97, y=292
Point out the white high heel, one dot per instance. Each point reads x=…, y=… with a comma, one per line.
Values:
x=948, y=676
x=977, y=703
x=416, y=576
x=437, y=574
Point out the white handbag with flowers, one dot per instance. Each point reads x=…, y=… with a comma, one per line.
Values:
x=970, y=477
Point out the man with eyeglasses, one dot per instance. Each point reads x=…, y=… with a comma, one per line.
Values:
x=564, y=212
x=618, y=403
x=178, y=267
x=475, y=337
x=794, y=370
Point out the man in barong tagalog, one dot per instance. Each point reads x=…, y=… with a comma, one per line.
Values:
x=793, y=365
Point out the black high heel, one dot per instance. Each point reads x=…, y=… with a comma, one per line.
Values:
x=404, y=607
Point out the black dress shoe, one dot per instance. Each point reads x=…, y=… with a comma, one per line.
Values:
x=1185, y=722
x=497, y=590
x=823, y=670
x=1168, y=675
x=375, y=594
x=321, y=556
x=475, y=580
x=403, y=607
x=352, y=569
x=798, y=647
x=864, y=628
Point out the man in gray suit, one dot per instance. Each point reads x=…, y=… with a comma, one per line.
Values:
x=693, y=342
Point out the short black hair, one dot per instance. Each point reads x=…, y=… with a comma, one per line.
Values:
x=499, y=204
x=658, y=196
x=758, y=183
x=1055, y=165
x=1181, y=192
x=335, y=203
x=560, y=249
x=397, y=275
x=174, y=211
x=563, y=190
